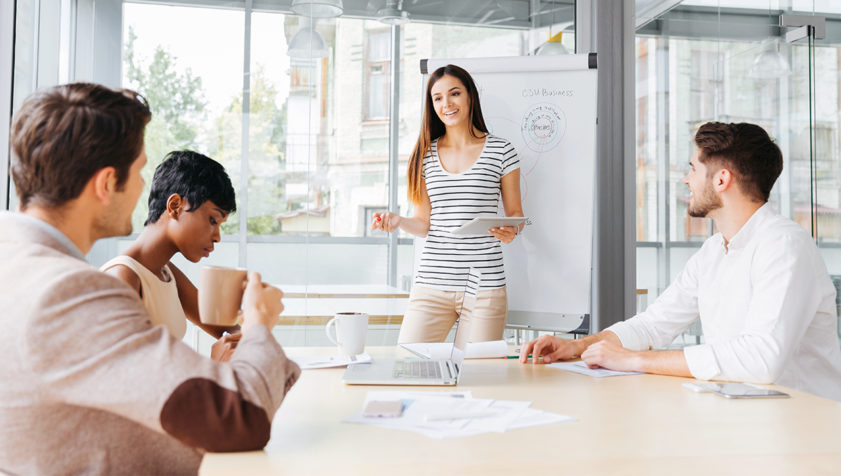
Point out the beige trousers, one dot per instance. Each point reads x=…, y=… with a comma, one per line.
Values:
x=431, y=314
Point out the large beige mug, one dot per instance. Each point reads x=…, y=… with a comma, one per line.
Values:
x=220, y=294
x=347, y=330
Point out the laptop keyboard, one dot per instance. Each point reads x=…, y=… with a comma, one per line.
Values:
x=417, y=369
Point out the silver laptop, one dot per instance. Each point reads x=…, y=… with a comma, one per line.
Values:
x=422, y=372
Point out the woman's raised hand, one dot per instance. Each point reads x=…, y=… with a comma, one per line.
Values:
x=387, y=222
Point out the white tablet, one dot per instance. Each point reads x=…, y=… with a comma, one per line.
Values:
x=480, y=226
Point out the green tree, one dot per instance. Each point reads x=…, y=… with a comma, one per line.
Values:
x=266, y=153
x=178, y=105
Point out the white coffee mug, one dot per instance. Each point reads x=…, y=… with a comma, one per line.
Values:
x=351, y=328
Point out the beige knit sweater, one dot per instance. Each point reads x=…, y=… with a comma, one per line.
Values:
x=88, y=385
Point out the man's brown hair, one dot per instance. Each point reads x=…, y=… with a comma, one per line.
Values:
x=746, y=151
x=63, y=135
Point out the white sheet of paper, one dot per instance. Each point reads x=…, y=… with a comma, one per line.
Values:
x=532, y=417
x=581, y=368
x=510, y=412
x=323, y=362
x=418, y=404
x=461, y=409
x=413, y=413
x=391, y=395
x=443, y=350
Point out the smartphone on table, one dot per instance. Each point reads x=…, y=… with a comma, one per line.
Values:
x=383, y=409
x=746, y=390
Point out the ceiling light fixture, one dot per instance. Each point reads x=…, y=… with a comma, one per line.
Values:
x=393, y=13
x=307, y=43
x=769, y=63
x=318, y=8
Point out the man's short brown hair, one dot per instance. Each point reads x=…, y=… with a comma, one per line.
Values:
x=63, y=135
x=744, y=149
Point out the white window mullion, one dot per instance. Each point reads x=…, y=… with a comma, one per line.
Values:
x=242, y=198
x=7, y=29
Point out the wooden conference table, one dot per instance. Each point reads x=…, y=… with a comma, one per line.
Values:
x=640, y=424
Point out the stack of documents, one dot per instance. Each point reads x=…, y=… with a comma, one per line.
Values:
x=455, y=414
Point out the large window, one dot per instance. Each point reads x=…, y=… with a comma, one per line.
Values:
x=722, y=61
x=306, y=143
x=196, y=104
x=305, y=137
x=298, y=110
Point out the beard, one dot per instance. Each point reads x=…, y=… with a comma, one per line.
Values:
x=113, y=222
x=701, y=205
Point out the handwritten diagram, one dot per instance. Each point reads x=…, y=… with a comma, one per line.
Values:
x=543, y=127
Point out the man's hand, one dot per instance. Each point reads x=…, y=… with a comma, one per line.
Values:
x=223, y=349
x=551, y=349
x=613, y=356
x=261, y=303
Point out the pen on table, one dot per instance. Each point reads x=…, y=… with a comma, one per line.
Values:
x=515, y=356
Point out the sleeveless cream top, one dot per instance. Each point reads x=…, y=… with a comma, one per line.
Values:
x=159, y=297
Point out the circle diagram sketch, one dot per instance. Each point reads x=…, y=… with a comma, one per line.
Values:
x=543, y=127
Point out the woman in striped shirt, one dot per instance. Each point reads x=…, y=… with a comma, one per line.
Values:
x=457, y=172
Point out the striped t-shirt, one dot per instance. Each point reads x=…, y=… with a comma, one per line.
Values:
x=455, y=199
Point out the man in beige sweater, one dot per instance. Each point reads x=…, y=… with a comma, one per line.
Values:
x=88, y=384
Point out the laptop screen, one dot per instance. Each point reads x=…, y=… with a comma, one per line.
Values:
x=471, y=292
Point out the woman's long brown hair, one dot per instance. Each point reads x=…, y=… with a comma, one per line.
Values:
x=432, y=127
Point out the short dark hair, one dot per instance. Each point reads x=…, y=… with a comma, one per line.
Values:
x=744, y=149
x=195, y=177
x=63, y=135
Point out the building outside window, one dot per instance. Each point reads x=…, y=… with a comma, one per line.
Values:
x=377, y=63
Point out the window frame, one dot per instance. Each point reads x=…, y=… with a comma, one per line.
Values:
x=384, y=66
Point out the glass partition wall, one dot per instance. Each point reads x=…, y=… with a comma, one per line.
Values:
x=730, y=61
x=313, y=118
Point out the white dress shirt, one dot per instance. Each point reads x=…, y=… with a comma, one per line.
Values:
x=766, y=304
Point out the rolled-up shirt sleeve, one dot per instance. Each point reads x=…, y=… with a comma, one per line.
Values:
x=784, y=300
x=702, y=362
